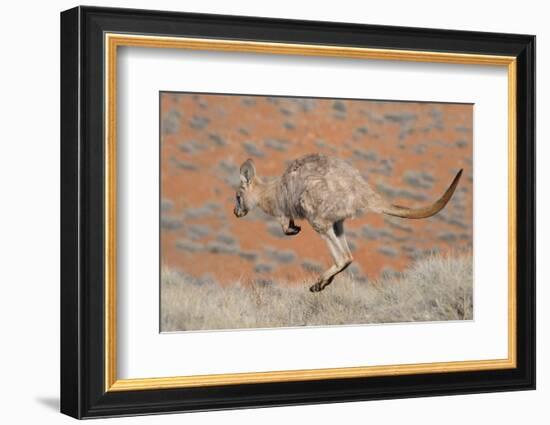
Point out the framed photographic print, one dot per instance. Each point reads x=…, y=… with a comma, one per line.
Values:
x=261, y=212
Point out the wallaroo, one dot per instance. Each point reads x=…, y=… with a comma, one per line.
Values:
x=324, y=191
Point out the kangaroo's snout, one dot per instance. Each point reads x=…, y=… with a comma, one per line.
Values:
x=240, y=209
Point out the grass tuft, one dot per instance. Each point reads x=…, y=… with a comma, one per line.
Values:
x=435, y=288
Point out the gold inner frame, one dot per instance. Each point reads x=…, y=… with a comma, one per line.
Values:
x=113, y=41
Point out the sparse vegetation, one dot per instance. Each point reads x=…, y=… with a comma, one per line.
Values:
x=387, y=250
x=217, y=140
x=170, y=223
x=192, y=147
x=280, y=145
x=184, y=165
x=418, y=179
x=198, y=122
x=166, y=204
x=435, y=288
x=198, y=231
x=392, y=192
x=253, y=150
x=171, y=122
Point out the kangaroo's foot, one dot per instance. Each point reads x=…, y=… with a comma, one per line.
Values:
x=317, y=287
x=321, y=284
x=327, y=277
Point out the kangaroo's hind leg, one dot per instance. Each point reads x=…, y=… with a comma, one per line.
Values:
x=340, y=254
x=341, y=236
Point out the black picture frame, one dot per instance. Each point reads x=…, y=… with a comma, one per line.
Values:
x=83, y=392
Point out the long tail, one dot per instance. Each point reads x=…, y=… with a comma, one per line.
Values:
x=405, y=212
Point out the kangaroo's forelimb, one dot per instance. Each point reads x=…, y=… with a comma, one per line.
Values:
x=288, y=226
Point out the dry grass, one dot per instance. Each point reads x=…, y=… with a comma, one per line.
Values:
x=435, y=288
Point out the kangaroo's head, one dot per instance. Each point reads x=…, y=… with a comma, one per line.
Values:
x=246, y=197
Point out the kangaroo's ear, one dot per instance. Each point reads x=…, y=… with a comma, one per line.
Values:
x=248, y=171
